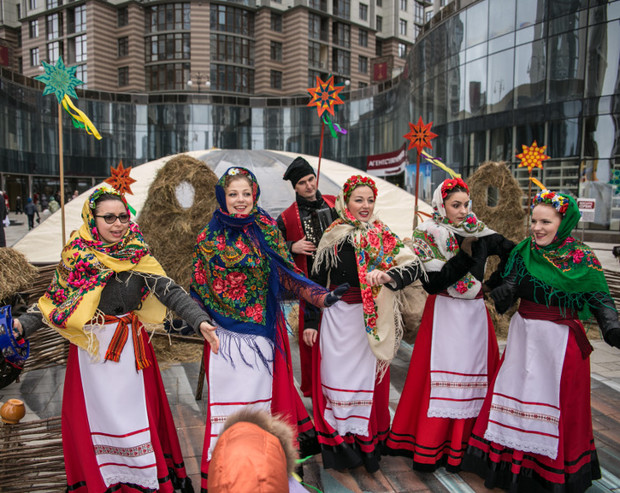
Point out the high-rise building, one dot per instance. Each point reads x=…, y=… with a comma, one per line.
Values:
x=252, y=47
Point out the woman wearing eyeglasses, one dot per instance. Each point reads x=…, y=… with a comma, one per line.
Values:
x=117, y=428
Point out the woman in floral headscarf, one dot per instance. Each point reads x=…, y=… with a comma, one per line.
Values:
x=117, y=428
x=455, y=353
x=534, y=432
x=359, y=338
x=242, y=271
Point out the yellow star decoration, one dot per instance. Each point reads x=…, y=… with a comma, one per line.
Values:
x=532, y=156
x=325, y=95
x=120, y=179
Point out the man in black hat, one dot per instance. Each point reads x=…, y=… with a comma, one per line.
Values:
x=302, y=226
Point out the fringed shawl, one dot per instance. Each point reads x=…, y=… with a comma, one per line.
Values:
x=243, y=270
x=376, y=247
x=567, y=270
x=87, y=263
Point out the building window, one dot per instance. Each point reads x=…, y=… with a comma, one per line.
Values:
x=363, y=12
x=363, y=65
x=232, y=79
x=361, y=85
x=402, y=27
x=35, y=61
x=230, y=19
x=52, y=4
x=34, y=28
x=378, y=48
x=341, y=62
x=363, y=37
x=123, y=46
x=54, y=26
x=276, y=51
x=81, y=74
x=76, y=20
x=402, y=50
x=173, y=46
x=342, y=8
x=342, y=34
x=232, y=49
x=123, y=76
x=379, y=3
x=276, y=79
x=314, y=26
x=167, y=77
x=403, y=5
x=276, y=22
x=419, y=13
x=379, y=23
x=168, y=17
x=76, y=49
x=32, y=4
x=122, y=17
x=54, y=51
x=318, y=5
x=314, y=55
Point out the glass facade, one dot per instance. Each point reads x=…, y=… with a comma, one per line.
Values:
x=492, y=77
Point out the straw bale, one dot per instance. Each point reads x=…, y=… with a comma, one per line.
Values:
x=16, y=274
x=507, y=218
x=169, y=229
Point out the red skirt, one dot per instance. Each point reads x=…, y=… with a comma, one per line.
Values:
x=349, y=451
x=80, y=461
x=576, y=464
x=431, y=442
x=285, y=402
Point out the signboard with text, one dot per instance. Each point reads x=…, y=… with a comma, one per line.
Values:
x=390, y=163
x=587, y=207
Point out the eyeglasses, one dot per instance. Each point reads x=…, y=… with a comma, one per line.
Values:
x=111, y=218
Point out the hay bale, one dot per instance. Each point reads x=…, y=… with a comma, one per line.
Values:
x=507, y=218
x=16, y=274
x=171, y=229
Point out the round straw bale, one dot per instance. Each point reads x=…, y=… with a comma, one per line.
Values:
x=507, y=217
x=169, y=228
x=16, y=274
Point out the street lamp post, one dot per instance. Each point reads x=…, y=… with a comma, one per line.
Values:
x=199, y=77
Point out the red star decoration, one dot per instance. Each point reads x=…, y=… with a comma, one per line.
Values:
x=325, y=96
x=532, y=156
x=120, y=179
x=420, y=135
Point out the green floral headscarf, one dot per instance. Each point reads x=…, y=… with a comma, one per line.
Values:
x=567, y=270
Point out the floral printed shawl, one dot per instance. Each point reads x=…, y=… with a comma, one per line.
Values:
x=86, y=265
x=376, y=247
x=242, y=268
x=567, y=270
x=435, y=244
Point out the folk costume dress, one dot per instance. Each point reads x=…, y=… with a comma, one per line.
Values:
x=534, y=432
x=242, y=271
x=117, y=429
x=359, y=336
x=455, y=353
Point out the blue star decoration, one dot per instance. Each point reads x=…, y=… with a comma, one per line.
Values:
x=59, y=80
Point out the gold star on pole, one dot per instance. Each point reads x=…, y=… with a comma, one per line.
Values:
x=420, y=135
x=532, y=156
x=120, y=179
x=325, y=96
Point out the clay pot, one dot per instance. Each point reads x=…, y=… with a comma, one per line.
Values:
x=12, y=411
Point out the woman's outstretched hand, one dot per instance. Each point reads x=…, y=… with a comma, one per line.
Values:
x=335, y=295
x=309, y=336
x=377, y=277
x=18, y=330
x=208, y=332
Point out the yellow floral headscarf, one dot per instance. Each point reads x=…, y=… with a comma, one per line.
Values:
x=87, y=263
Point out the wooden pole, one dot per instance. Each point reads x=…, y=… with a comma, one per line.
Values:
x=417, y=185
x=529, y=201
x=318, y=171
x=62, y=175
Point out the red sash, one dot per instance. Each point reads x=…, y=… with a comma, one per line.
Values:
x=531, y=310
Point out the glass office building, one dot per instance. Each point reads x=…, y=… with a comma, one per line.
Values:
x=491, y=75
